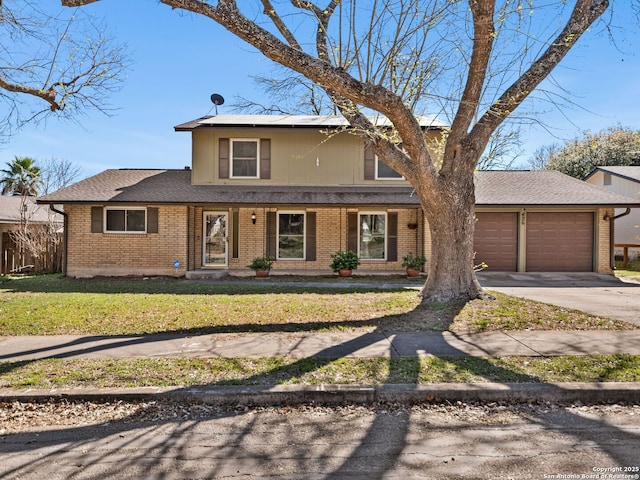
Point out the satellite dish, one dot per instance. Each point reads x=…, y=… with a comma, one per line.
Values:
x=217, y=100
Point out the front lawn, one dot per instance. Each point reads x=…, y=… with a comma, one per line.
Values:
x=53, y=305
x=49, y=304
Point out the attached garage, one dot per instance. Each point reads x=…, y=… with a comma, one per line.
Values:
x=544, y=221
x=496, y=240
x=560, y=241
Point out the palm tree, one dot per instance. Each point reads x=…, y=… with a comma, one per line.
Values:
x=22, y=177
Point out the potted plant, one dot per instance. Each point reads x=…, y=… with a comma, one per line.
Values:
x=413, y=264
x=344, y=262
x=262, y=265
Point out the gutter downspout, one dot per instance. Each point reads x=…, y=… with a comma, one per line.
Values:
x=612, y=263
x=65, y=237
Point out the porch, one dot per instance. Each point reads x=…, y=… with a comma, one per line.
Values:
x=212, y=274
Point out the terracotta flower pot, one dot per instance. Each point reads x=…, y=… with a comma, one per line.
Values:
x=344, y=272
x=262, y=273
x=412, y=272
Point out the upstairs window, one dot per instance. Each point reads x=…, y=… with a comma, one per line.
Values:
x=385, y=172
x=245, y=155
x=375, y=169
x=125, y=220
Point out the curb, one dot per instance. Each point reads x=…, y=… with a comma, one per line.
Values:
x=585, y=393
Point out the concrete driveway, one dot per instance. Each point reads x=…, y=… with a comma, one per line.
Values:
x=598, y=294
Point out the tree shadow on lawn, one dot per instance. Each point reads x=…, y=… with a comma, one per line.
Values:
x=311, y=449
x=226, y=285
x=431, y=318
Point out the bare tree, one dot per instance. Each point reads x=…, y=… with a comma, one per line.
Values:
x=38, y=236
x=38, y=239
x=57, y=173
x=541, y=156
x=475, y=60
x=502, y=150
x=287, y=94
x=53, y=63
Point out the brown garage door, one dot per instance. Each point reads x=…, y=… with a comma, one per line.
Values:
x=559, y=242
x=496, y=240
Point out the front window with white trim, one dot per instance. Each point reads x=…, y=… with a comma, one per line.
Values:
x=372, y=235
x=245, y=158
x=291, y=239
x=385, y=172
x=125, y=220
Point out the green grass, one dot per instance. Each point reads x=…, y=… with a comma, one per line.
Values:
x=49, y=304
x=182, y=372
x=632, y=272
x=52, y=305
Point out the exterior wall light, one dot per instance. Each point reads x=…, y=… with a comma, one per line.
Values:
x=253, y=218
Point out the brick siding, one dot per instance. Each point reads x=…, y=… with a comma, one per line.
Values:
x=603, y=240
x=180, y=231
x=92, y=254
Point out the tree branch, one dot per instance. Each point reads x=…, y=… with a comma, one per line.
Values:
x=483, y=33
x=583, y=15
x=320, y=71
x=48, y=95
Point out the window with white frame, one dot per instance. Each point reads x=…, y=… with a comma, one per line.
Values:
x=372, y=235
x=245, y=155
x=291, y=240
x=385, y=172
x=125, y=220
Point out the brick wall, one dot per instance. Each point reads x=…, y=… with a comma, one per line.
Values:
x=603, y=240
x=331, y=236
x=93, y=254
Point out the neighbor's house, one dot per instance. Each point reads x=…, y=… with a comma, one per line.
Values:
x=15, y=212
x=624, y=181
x=279, y=185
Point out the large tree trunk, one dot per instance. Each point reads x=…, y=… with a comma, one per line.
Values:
x=450, y=212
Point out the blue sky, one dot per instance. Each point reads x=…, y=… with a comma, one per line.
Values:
x=179, y=60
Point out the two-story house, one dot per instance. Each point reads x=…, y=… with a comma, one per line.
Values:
x=300, y=188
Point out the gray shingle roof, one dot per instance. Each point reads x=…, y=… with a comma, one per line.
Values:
x=10, y=210
x=174, y=186
x=493, y=188
x=542, y=188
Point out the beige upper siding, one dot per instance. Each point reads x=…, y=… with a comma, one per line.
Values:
x=298, y=157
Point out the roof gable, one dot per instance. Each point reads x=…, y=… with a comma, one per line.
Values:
x=631, y=173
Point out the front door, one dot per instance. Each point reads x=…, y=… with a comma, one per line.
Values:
x=215, y=240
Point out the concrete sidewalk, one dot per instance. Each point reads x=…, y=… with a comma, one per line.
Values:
x=332, y=345
x=323, y=345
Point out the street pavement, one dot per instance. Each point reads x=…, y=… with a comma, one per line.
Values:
x=352, y=443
